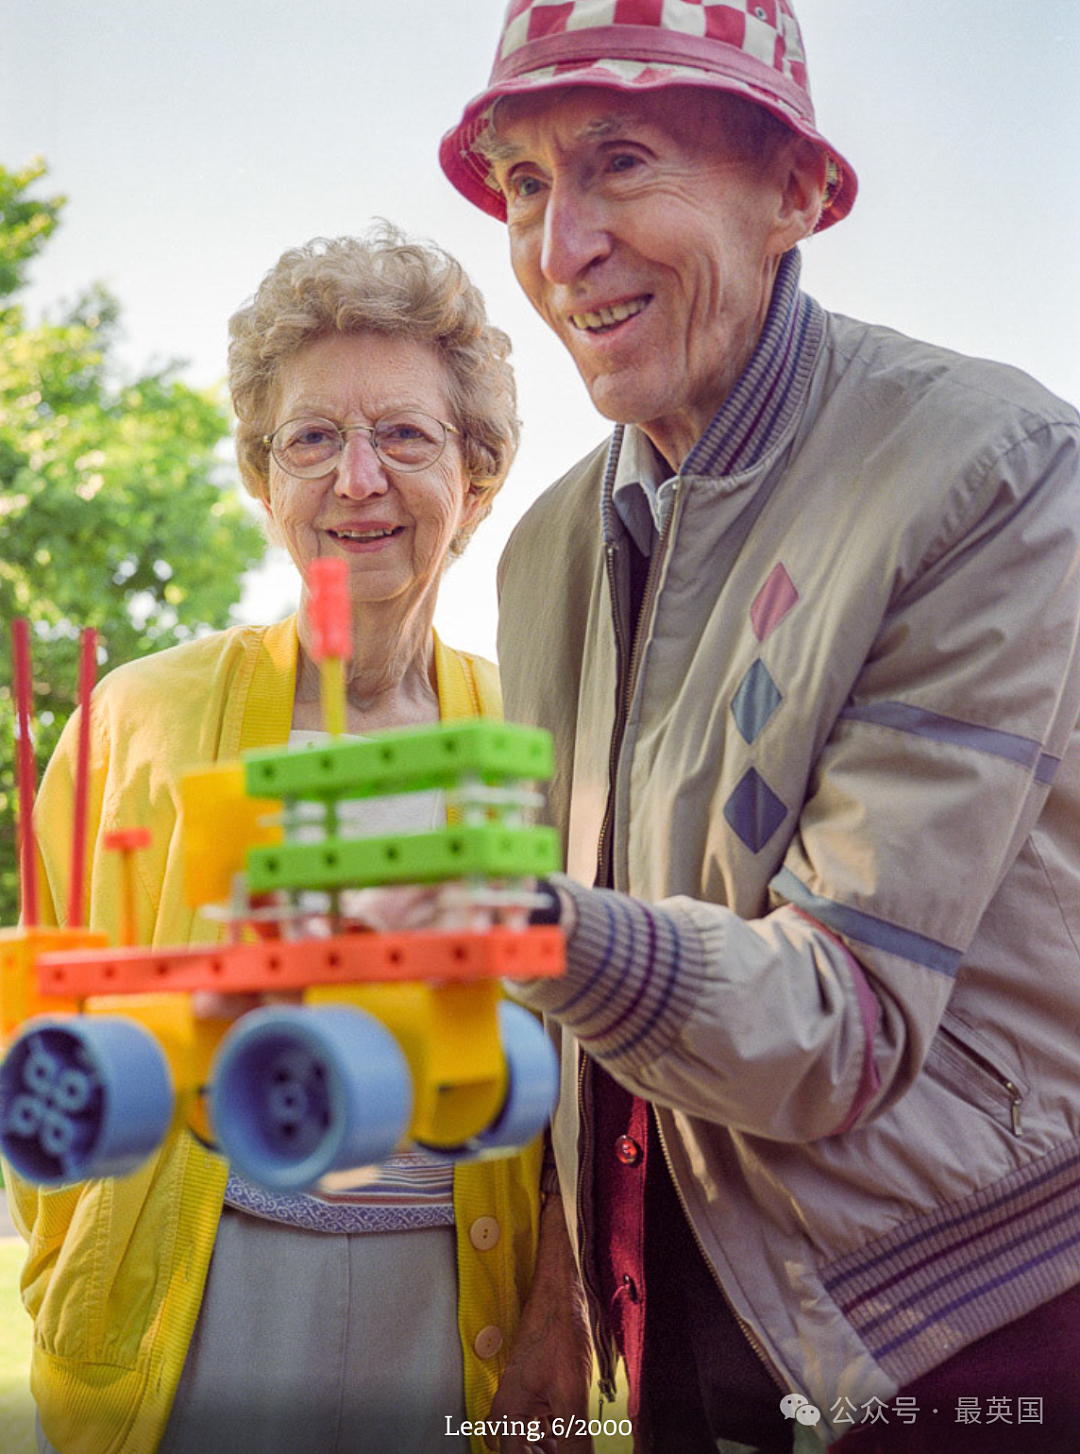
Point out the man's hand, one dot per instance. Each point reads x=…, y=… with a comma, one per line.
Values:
x=549, y=1371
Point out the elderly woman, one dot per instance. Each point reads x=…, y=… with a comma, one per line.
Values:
x=181, y=1308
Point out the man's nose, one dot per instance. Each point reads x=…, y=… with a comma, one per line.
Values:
x=360, y=472
x=576, y=232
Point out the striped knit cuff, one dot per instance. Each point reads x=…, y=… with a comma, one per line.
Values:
x=634, y=973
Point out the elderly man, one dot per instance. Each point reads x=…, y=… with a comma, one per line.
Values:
x=805, y=631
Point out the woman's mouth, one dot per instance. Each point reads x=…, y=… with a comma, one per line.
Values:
x=357, y=539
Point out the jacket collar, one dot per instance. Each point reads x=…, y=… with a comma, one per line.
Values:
x=755, y=415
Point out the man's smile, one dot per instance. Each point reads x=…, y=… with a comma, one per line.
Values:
x=593, y=320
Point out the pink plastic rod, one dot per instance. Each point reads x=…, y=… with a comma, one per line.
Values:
x=26, y=771
x=87, y=673
x=329, y=611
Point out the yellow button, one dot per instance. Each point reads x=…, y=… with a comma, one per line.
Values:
x=484, y=1233
x=488, y=1341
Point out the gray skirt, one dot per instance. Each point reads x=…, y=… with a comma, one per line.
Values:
x=321, y=1343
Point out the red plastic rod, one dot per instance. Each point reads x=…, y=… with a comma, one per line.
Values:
x=26, y=771
x=329, y=611
x=87, y=673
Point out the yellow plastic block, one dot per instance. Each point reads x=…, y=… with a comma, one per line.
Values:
x=19, y=997
x=168, y=1017
x=209, y=1034
x=219, y=823
x=189, y=1043
x=449, y=1034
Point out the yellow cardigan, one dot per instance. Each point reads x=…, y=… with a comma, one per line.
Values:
x=115, y=1270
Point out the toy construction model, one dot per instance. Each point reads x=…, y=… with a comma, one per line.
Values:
x=381, y=1037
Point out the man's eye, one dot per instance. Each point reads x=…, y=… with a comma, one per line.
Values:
x=623, y=161
x=523, y=187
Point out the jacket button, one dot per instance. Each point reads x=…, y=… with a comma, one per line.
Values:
x=488, y=1341
x=628, y=1151
x=484, y=1233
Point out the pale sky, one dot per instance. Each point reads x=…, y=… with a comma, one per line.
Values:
x=198, y=140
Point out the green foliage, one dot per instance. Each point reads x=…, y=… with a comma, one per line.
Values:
x=25, y=224
x=115, y=511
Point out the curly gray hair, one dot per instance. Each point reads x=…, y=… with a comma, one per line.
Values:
x=379, y=283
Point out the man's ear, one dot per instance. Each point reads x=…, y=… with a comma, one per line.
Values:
x=802, y=174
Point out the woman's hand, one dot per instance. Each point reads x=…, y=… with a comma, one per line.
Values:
x=394, y=909
x=210, y=1005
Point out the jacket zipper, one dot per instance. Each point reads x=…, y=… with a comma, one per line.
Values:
x=627, y=682
x=622, y=707
x=1011, y=1089
x=628, y=663
x=627, y=655
x=628, y=679
x=744, y=1327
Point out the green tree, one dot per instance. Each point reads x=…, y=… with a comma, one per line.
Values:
x=115, y=509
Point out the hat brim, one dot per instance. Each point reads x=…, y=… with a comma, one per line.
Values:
x=469, y=171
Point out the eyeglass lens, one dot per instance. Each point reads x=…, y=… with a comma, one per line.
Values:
x=406, y=440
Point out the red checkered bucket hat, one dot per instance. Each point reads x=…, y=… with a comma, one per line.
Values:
x=749, y=50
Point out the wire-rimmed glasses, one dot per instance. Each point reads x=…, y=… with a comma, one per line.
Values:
x=405, y=439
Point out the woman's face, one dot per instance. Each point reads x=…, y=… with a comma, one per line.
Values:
x=392, y=528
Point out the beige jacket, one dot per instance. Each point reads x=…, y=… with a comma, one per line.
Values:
x=842, y=757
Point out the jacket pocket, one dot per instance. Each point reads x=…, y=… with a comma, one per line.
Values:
x=970, y=1066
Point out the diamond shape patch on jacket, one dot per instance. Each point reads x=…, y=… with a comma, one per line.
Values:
x=772, y=602
x=754, y=811
x=756, y=699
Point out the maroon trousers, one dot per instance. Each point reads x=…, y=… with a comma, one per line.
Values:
x=1016, y=1391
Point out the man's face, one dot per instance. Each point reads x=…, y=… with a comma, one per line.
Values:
x=648, y=239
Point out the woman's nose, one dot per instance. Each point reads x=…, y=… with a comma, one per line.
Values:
x=359, y=470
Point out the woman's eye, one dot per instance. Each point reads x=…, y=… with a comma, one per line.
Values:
x=310, y=434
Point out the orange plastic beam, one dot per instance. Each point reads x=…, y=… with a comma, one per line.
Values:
x=280, y=964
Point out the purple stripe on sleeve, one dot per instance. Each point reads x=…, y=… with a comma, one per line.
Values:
x=648, y=966
x=902, y=717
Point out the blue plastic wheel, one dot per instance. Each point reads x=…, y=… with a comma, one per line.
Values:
x=531, y=1092
x=533, y=1086
x=298, y=1093
x=82, y=1098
